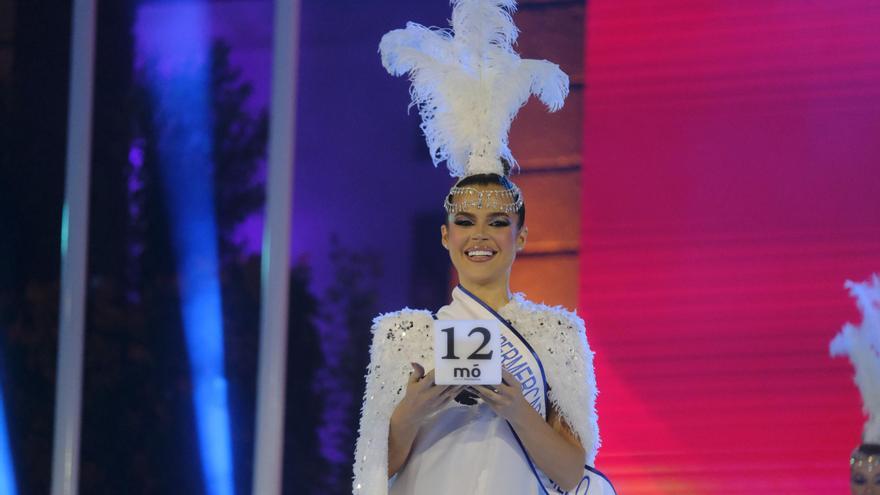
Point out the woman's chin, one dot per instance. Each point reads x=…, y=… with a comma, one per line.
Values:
x=481, y=273
x=477, y=278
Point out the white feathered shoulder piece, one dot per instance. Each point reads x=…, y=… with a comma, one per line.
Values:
x=557, y=336
x=560, y=339
x=862, y=345
x=469, y=83
x=399, y=338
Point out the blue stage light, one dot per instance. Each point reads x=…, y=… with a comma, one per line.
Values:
x=175, y=49
x=7, y=473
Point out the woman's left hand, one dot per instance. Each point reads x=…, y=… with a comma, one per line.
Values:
x=506, y=399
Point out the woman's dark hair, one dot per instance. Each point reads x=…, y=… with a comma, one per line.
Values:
x=495, y=180
x=869, y=449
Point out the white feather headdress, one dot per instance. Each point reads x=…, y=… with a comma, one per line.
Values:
x=862, y=345
x=469, y=83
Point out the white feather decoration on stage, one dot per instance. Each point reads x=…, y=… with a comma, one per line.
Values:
x=862, y=345
x=469, y=83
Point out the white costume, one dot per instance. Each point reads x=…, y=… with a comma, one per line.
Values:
x=469, y=449
x=468, y=84
x=862, y=345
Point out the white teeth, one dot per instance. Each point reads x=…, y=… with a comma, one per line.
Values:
x=479, y=253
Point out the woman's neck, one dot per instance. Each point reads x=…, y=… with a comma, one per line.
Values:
x=495, y=295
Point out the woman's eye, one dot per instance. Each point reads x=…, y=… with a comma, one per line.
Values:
x=463, y=222
x=500, y=223
x=858, y=480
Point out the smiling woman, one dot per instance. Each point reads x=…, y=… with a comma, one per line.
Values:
x=483, y=241
x=536, y=432
x=865, y=470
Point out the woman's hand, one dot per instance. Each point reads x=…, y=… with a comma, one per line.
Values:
x=422, y=398
x=552, y=445
x=506, y=399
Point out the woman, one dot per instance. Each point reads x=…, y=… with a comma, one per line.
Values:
x=865, y=470
x=532, y=434
x=861, y=343
x=535, y=433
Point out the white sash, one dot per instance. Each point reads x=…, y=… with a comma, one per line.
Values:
x=469, y=449
x=522, y=361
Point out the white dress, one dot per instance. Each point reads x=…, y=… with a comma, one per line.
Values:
x=469, y=449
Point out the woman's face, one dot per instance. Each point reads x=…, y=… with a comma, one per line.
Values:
x=482, y=243
x=865, y=476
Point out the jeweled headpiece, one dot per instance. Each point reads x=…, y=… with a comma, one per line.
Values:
x=866, y=457
x=862, y=345
x=469, y=198
x=468, y=84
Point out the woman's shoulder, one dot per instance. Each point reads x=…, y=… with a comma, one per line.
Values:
x=546, y=315
x=397, y=325
x=406, y=333
x=406, y=317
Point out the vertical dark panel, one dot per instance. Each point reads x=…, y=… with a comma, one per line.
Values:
x=31, y=195
x=429, y=284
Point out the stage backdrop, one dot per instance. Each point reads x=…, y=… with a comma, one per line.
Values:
x=731, y=183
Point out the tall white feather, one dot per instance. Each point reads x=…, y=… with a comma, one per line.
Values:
x=468, y=83
x=862, y=345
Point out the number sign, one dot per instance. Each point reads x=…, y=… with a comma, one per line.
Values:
x=467, y=352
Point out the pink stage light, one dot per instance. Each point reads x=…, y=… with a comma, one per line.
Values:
x=731, y=182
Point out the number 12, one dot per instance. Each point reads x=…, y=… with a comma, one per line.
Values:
x=450, y=344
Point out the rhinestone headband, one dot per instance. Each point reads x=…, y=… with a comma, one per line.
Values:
x=506, y=200
x=863, y=460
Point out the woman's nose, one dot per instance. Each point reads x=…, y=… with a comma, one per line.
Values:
x=479, y=233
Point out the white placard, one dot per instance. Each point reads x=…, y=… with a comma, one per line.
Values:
x=467, y=352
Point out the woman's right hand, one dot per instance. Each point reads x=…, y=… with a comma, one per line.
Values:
x=422, y=397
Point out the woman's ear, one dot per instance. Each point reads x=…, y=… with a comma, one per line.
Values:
x=521, y=238
x=444, y=236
